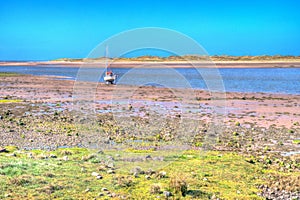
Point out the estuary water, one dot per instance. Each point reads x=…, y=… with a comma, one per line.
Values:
x=267, y=80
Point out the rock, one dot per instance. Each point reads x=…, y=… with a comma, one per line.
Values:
x=102, y=168
x=65, y=158
x=52, y=156
x=99, y=177
x=167, y=194
x=110, y=158
x=137, y=170
x=147, y=177
x=205, y=179
x=136, y=175
x=3, y=150
x=95, y=174
x=43, y=157
x=100, y=194
x=113, y=194
x=30, y=155
x=110, y=165
x=162, y=174
x=100, y=152
x=110, y=171
x=104, y=189
x=11, y=155
x=150, y=172
x=87, y=190
x=83, y=169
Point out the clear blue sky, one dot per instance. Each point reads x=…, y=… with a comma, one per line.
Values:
x=50, y=29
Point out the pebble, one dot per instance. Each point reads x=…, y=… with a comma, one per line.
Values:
x=162, y=174
x=3, y=150
x=30, y=155
x=110, y=165
x=52, y=156
x=100, y=194
x=147, y=177
x=167, y=193
x=110, y=171
x=99, y=177
x=104, y=189
x=65, y=158
x=95, y=174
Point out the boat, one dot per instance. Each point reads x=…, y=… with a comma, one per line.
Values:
x=109, y=77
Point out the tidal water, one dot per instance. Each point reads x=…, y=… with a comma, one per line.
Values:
x=267, y=80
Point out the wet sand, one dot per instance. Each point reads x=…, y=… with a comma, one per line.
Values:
x=262, y=109
x=251, y=122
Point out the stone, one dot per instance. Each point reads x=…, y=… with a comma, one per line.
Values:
x=162, y=174
x=167, y=194
x=104, y=189
x=110, y=171
x=110, y=165
x=3, y=150
x=100, y=194
x=95, y=174
x=99, y=177
x=147, y=177
x=137, y=170
x=52, y=156
x=65, y=158
x=30, y=155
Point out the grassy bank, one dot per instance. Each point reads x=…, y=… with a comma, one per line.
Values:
x=72, y=174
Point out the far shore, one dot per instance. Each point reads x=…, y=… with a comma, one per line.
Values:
x=174, y=64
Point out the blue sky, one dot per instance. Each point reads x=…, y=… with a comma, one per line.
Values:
x=50, y=29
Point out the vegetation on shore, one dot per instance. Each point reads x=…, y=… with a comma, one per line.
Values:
x=215, y=58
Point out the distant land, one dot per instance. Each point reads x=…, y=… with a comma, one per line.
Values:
x=190, y=58
x=220, y=61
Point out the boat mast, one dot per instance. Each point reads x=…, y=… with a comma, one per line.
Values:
x=106, y=57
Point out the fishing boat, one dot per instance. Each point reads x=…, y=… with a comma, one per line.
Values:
x=109, y=77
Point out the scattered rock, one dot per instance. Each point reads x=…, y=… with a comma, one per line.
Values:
x=147, y=177
x=110, y=165
x=100, y=194
x=30, y=155
x=167, y=194
x=136, y=171
x=104, y=189
x=95, y=174
x=3, y=150
x=162, y=174
x=99, y=177
x=110, y=171
x=52, y=156
x=65, y=158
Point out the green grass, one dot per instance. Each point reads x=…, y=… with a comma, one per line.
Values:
x=7, y=74
x=10, y=100
x=296, y=141
x=225, y=175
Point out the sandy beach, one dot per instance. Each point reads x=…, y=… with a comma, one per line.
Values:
x=158, y=64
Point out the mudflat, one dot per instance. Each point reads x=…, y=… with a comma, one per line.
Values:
x=40, y=119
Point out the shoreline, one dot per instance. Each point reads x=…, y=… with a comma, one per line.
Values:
x=154, y=64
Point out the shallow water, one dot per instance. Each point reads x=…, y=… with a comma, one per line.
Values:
x=269, y=80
